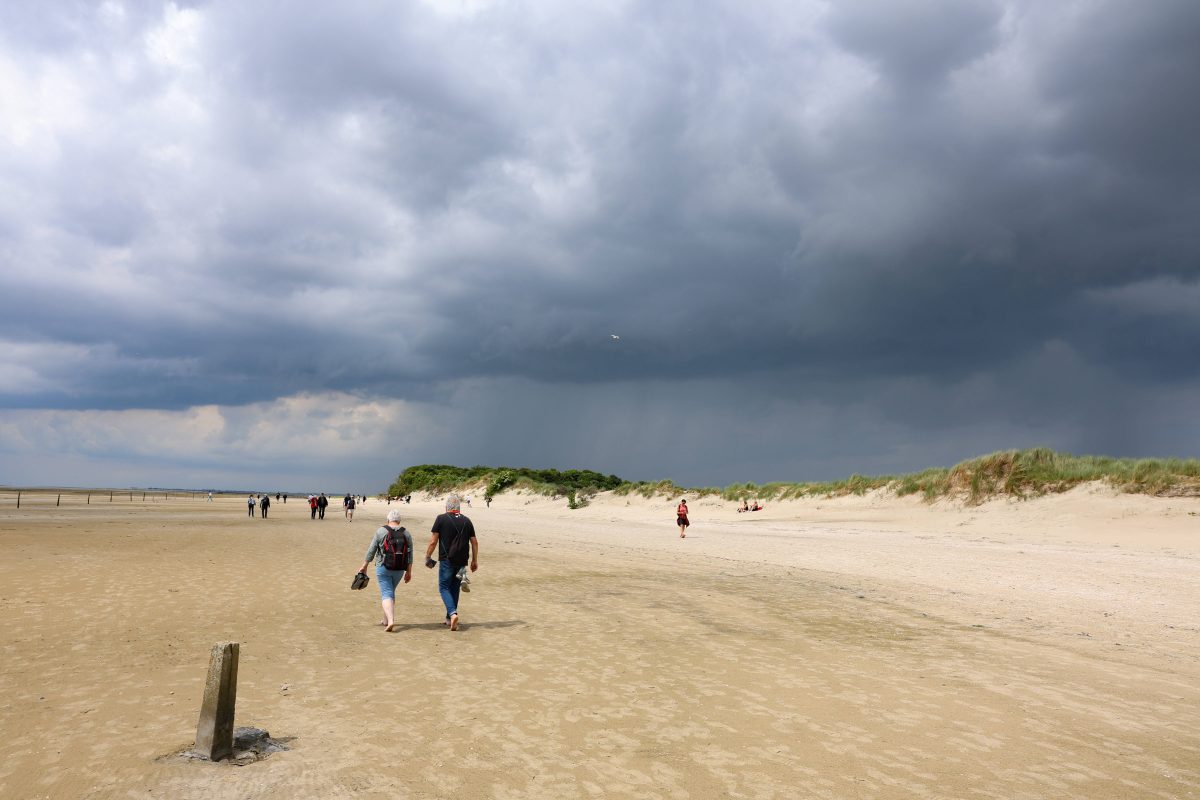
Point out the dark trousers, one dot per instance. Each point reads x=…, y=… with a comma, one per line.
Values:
x=313, y=515
x=321, y=512
x=264, y=510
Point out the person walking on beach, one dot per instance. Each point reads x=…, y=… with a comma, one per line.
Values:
x=350, y=503
x=250, y=505
x=391, y=545
x=265, y=504
x=454, y=537
x=681, y=518
x=210, y=497
x=312, y=506
x=322, y=504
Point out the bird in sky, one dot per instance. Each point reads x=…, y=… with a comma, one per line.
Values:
x=615, y=338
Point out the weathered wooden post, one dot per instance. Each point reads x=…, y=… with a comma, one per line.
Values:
x=89, y=498
x=214, y=734
x=110, y=494
x=58, y=502
x=18, y=499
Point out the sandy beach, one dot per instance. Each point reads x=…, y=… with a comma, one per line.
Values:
x=868, y=647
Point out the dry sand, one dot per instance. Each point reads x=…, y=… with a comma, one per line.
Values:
x=860, y=648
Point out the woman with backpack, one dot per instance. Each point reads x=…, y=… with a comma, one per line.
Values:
x=392, y=549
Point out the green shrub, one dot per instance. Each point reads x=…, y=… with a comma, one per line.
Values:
x=443, y=477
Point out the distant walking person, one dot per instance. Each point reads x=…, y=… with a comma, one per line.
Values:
x=312, y=506
x=265, y=504
x=350, y=508
x=322, y=504
x=392, y=549
x=210, y=497
x=250, y=505
x=681, y=514
x=454, y=537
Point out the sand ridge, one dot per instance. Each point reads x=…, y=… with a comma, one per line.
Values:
x=870, y=647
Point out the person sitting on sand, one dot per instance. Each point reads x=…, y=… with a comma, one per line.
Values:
x=389, y=579
x=756, y=506
x=745, y=506
x=681, y=514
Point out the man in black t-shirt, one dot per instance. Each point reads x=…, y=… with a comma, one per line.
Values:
x=454, y=537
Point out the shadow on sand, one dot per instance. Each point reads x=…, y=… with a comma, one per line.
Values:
x=440, y=626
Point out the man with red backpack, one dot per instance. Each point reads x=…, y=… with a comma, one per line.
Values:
x=392, y=549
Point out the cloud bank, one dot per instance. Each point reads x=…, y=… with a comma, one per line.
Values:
x=833, y=237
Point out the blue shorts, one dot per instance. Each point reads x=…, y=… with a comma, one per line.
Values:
x=388, y=580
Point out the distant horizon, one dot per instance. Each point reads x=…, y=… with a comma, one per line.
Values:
x=305, y=493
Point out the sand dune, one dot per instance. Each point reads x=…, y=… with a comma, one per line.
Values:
x=866, y=647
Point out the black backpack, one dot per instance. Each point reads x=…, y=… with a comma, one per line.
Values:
x=395, y=549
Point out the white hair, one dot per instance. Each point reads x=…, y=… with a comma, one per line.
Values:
x=394, y=515
x=452, y=503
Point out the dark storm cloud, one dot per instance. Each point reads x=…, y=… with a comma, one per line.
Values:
x=916, y=207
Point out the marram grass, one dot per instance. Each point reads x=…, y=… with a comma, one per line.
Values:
x=1010, y=473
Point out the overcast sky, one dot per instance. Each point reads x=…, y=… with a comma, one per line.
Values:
x=304, y=246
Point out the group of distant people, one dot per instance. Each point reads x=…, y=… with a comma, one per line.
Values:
x=264, y=503
x=452, y=534
x=747, y=507
x=317, y=503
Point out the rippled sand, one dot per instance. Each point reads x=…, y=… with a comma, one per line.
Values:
x=870, y=647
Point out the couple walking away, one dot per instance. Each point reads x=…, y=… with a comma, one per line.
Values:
x=392, y=548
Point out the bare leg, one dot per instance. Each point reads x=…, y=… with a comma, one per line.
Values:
x=389, y=613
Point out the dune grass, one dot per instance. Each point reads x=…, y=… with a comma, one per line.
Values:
x=1009, y=473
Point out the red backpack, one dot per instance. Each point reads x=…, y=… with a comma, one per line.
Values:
x=395, y=549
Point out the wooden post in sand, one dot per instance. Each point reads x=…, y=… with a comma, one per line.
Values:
x=18, y=499
x=58, y=502
x=214, y=734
